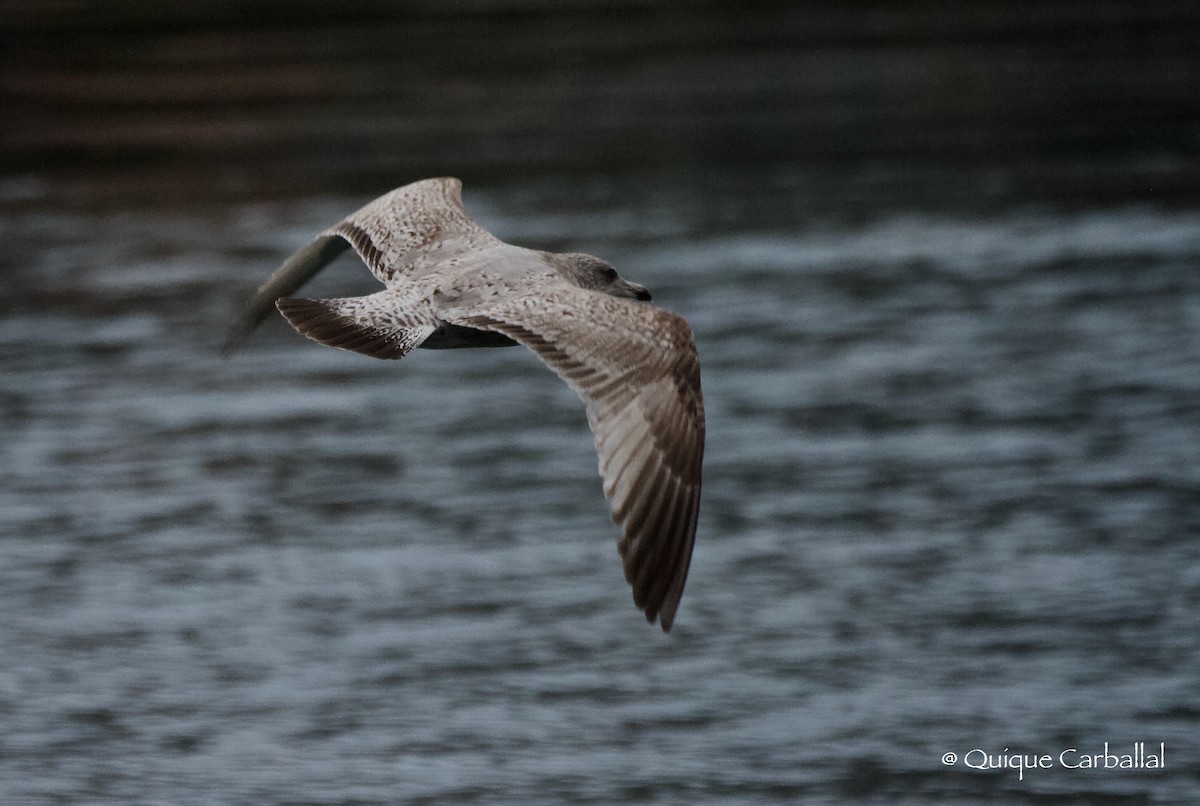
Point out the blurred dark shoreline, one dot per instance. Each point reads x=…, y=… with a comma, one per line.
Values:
x=972, y=105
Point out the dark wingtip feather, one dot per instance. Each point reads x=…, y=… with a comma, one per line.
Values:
x=295, y=272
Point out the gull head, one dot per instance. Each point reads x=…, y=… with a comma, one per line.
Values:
x=593, y=273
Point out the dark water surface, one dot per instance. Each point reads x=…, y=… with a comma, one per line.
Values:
x=952, y=496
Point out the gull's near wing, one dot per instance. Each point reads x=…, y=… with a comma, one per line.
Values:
x=636, y=368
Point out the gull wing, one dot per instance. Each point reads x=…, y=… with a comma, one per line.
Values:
x=636, y=368
x=413, y=228
x=404, y=232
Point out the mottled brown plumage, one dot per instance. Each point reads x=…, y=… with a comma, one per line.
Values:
x=449, y=283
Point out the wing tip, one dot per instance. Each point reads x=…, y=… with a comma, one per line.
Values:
x=293, y=273
x=234, y=339
x=250, y=317
x=664, y=614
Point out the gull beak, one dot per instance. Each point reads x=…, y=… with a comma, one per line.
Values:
x=638, y=292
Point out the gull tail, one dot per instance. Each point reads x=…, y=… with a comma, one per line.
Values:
x=367, y=325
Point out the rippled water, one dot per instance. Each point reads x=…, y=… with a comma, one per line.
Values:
x=951, y=503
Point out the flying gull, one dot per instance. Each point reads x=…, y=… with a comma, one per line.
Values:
x=450, y=283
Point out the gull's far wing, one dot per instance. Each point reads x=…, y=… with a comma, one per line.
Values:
x=405, y=231
x=413, y=227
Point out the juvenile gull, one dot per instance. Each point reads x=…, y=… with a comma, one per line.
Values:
x=450, y=283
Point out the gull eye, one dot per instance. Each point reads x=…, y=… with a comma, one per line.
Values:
x=608, y=273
